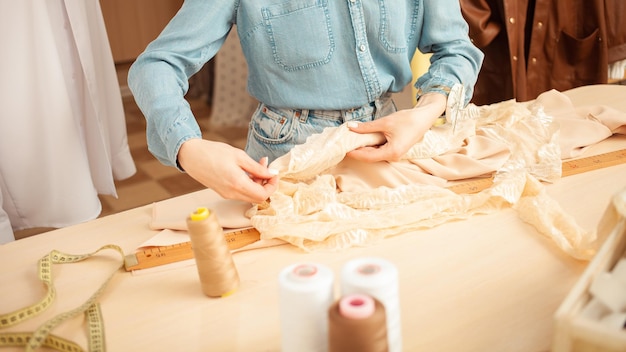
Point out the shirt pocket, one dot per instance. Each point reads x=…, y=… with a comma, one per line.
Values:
x=577, y=60
x=397, y=25
x=299, y=33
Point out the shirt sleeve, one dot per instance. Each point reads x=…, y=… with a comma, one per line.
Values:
x=159, y=78
x=455, y=59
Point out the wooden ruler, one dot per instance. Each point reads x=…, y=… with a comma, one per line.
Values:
x=569, y=168
x=155, y=256
x=600, y=161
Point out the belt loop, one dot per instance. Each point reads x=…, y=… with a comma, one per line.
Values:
x=302, y=115
x=378, y=106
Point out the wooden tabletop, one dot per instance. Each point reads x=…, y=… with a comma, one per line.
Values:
x=489, y=283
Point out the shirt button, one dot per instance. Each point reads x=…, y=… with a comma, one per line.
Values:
x=539, y=25
x=534, y=60
x=362, y=47
x=512, y=20
x=514, y=58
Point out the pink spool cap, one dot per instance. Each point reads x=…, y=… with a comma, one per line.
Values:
x=356, y=306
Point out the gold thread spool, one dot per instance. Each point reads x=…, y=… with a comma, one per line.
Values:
x=216, y=268
x=362, y=327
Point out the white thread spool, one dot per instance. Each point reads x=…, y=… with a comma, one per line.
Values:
x=378, y=278
x=306, y=294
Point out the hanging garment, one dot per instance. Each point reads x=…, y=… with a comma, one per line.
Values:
x=6, y=232
x=532, y=46
x=62, y=130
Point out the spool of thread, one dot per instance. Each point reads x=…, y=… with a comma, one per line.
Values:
x=306, y=294
x=216, y=268
x=357, y=323
x=376, y=277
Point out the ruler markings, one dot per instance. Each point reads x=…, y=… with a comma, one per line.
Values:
x=155, y=256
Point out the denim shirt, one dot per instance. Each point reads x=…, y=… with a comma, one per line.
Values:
x=306, y=54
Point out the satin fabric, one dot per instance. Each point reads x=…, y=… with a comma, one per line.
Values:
x=328, y=202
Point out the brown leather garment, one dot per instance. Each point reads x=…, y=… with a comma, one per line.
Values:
x=532, y=46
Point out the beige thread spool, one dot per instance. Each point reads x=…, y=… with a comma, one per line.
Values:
x=357, y=323
x=216, y=268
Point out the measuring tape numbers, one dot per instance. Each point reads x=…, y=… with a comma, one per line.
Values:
x=42, y=336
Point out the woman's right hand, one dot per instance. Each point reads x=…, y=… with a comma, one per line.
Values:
x=227, y=170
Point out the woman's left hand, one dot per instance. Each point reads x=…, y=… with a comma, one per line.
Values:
x=402, y=129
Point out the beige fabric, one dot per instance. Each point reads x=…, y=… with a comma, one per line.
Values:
x=583, y=126
x=172, y=213
x=328, y=202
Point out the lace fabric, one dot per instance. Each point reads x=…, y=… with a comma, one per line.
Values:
x=328, y=202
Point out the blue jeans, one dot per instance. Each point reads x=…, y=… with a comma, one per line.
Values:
x=273, y=132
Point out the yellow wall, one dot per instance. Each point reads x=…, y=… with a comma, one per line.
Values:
x=419, y=66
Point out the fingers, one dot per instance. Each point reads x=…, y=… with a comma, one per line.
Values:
x=267, y=179
x=255, y=193
x=258, y=170
x=227, y=170
x=372, y=154
x=262, y=162
x=238, y=185
x=368, y=153
x=367, y=127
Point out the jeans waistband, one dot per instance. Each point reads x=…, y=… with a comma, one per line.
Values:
x=340, y=115
x=353, y=113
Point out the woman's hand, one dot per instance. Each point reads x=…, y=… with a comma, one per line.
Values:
x=402, y=129
x=227, y=170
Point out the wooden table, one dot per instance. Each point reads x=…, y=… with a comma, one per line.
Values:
x=490, y=283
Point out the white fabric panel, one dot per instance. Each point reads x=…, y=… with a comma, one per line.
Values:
x=62, y=128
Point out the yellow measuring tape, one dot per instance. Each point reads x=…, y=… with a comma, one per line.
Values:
x=42, y=336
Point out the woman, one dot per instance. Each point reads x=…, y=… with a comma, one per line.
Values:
x=312, y=64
